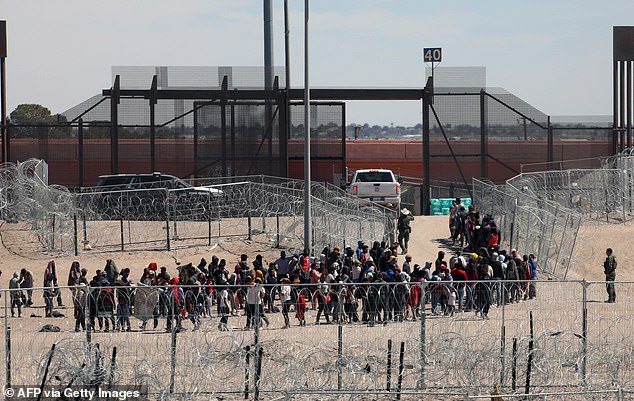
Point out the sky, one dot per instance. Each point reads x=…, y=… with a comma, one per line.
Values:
x=554, y=54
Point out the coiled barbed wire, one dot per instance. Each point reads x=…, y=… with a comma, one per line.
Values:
x=149, y=218
x=463, y=353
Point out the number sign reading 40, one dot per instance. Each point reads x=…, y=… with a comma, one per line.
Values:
x=432, y=55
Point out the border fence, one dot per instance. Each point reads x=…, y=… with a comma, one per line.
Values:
x=531, y=223
x=543, y=210
x=602, y=193
x=565, y=344
x=260, y=208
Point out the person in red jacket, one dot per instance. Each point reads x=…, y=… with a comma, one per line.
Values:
x=300, y=309
x=493, y=240
x=460, y=278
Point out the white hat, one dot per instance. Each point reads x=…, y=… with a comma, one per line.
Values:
x=405, y=210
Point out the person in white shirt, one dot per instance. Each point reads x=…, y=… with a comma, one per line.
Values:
x=223, y=308
x=285, y=298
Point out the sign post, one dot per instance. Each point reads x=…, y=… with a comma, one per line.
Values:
x=432, y=55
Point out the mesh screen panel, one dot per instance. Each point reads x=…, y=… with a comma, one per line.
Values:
x=247, y=143
x=140, y=77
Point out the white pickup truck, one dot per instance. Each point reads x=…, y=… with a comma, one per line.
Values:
x=377, y=185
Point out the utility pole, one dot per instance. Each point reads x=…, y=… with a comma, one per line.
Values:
x=308, y=223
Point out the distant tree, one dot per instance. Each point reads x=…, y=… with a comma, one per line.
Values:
x=31, y=114
x=38, y=115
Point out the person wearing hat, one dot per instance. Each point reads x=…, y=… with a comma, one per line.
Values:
x=384, y=259
x=404, y=229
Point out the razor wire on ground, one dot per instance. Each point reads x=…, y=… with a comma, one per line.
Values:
x=259, y=208
x=529, y=222
x=379, y=343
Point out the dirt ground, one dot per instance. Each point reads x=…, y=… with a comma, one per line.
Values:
x=19, y=248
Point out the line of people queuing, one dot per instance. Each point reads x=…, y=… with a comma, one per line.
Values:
x=467, y=229
x=366, y=284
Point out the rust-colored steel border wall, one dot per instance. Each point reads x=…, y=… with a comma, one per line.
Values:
x=404, y=157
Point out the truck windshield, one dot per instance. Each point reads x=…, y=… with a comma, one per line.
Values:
x=374, y=176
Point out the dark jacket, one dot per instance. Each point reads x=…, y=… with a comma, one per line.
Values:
x=609, y=266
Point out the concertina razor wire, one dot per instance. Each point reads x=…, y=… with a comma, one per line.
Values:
x=158, y=218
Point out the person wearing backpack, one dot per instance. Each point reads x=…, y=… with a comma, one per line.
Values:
x=513, y=293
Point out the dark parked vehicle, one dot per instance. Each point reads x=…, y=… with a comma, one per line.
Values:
x=151, y=196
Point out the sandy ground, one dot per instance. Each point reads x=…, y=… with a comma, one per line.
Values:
x=20, y=248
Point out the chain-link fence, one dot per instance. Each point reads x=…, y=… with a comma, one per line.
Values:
x=543, y=210
x=603, y=193
x=530, y=222
x=334, y=341
x=262, y=208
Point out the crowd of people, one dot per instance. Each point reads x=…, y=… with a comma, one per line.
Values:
x=366, y=284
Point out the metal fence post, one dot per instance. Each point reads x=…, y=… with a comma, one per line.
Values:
x=175, y=324
x=514, y=366
x=622, y=174
x=344, y=233
x=584, y=332
x=401, y=368
x=512, y=234
x=249, y=212
x=167, y=221
x=121, y=231
x=388, y=386
x=503, y=335
x=247, y=358
x=75, y=233
x=53, y=233
x=85, y=233
x=7, y=334
x=339, y=345
x=209, y=220
x=88, y=321
x=257, y=351
x=422, y=352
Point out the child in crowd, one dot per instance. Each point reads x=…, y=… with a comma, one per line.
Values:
x=300, y=309
x=451, y=301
